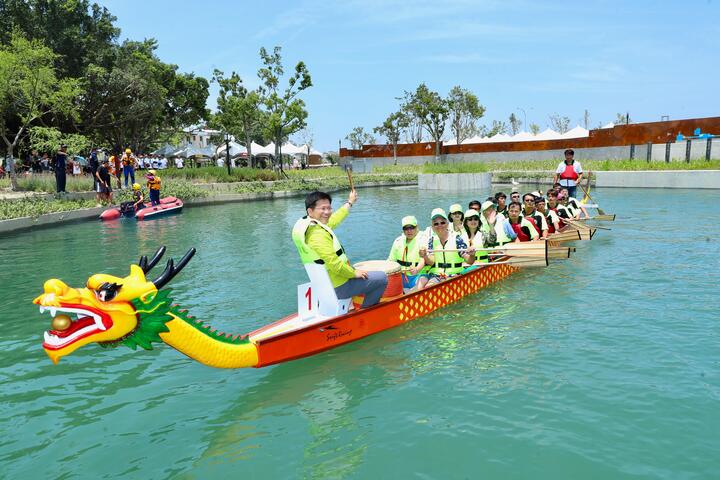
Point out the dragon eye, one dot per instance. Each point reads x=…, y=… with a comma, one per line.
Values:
x=107, y=291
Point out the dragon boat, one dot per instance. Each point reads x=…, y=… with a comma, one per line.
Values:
x=137, y=312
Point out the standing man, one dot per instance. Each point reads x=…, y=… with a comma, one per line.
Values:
x=569, y=172
x=316, y=242
x=60, y=166
x=104, y=188
x=128, y=164
x=93, y=165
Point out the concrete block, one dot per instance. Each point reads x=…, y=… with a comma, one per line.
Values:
x=659, y=179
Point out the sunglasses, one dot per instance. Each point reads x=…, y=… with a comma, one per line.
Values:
x=409, y=227
x=437, y=224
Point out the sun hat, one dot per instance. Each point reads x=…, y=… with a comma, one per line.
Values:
x=455, y=208
x=152, y=172
x=438, y=212
x=136, y=186
x=472, y=213
x=487, y=205
x=410, y=220
x=127, y=150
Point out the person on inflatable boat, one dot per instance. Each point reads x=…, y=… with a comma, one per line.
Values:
x=153, y=183
x=315, y=231
x=405, y=250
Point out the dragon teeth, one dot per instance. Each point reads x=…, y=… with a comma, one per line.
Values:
x=42, y=309
x=53, y=311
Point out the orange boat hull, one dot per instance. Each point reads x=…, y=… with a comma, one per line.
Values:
x=358, y=324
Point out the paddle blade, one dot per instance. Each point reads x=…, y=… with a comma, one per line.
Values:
x=527, y=262
x=605, y=217
x=558, y=253
x=565, y=236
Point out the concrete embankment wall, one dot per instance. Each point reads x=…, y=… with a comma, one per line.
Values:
x=454, y=181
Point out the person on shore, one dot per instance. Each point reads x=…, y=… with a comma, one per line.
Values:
x=129, y=162
x=103, y=177
x=569, y=172
x=153, y=184
x=524, y=229
x=316, y=242
x=474, y=236
x=500, y=202
x=529, y=211
x=93, y=165
x=456, y=217
x=444, y=253
x=405, y=250
x=551, y=217
x=60, y=166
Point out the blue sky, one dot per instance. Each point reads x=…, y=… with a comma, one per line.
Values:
x=647, y=58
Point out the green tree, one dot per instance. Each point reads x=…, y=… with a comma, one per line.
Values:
x=559, y=124
x=79, y=33
x=359, y=137
x=623, y=119
x=497, y=128
x=286, y=113
x=30, y=92
x=238, y=109
x=49, y=139
x=465, y=110
x=430, y=109
x=515, y=124
x=534, y=128
x=392, y=128
x=140, y=101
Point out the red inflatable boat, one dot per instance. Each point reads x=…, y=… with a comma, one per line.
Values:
x=167, y=205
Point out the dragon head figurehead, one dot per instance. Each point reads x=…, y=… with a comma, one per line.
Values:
x=110, y=310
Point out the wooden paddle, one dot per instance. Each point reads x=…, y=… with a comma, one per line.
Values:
x=587, y=194
x=349, y=175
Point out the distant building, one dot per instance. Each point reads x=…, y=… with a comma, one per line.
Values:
x=200, y=136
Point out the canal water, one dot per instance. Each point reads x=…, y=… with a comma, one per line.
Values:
x=606, y=365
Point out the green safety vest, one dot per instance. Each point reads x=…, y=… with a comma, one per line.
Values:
x=482, y=255
x=307, y=254
x=447, y=263
x=502, y=237
x=411, y=258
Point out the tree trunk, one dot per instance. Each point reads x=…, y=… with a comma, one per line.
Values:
x=248, y=146
x=395, y=153
x=11, y=168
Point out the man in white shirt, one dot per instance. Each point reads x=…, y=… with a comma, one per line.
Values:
x=569, y=172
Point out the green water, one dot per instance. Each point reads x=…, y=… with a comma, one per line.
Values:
x=605, y=365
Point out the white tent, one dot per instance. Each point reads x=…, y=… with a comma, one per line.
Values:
x=548, y=134
x=523, y=137
x=577, y=132
x=609, y=125
x=235, y=149
x=476, y=139
x=290, y=149
x=259, y=149
x=500, y=137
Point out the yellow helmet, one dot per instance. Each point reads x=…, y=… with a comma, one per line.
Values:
x=127, y=150
x=136, y=186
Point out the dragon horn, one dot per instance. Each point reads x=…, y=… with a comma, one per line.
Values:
x=147, y=266
x=171, y=270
